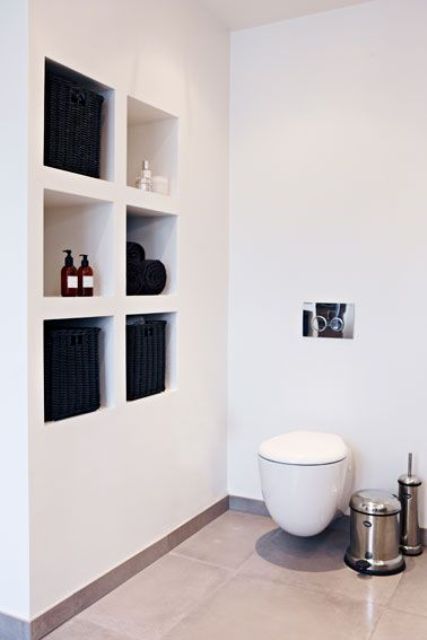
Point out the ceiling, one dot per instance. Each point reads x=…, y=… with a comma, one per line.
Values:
x=241, y=14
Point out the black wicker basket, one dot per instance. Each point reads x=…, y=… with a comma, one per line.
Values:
x=71, y=371
x=72, y=134
x=145, y=358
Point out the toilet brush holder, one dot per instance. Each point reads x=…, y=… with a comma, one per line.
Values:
x=410, y=535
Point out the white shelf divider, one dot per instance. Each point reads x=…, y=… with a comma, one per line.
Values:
x=141, y=305
x=151, y=202
x=62, y=308
x=76, y=184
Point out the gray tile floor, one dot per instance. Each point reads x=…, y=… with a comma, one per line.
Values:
x=241, y=578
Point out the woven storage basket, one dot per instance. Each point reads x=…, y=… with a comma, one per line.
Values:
x=71, y=372
x=72, y=126
x=145, y=358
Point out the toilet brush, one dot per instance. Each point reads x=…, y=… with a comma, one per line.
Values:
x=410, y=537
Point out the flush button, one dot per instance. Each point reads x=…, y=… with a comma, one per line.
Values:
x=319, y=324
x=336, y=324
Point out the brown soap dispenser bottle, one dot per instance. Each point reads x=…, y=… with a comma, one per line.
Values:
x=85, y=277
x=68, y=276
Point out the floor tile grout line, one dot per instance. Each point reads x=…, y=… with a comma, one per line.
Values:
x=390, y=598
x=186, y=614
x=180, y=554
x=382, y=607
x=322, y=590
x=97, y=625
x=204, y=600
x=376, y=625
x=409, y=613
x=235, y=574
x=325, y=591
x=390, y=610
x=192, y=608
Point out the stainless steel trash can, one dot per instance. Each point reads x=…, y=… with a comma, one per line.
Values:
x=374, y=533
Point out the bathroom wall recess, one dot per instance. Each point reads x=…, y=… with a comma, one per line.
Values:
x=74, y=106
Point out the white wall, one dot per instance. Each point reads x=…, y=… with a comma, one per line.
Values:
x=106, y=485
x=14, y=545
x=328, y=203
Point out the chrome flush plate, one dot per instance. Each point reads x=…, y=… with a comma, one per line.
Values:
x=328, y=320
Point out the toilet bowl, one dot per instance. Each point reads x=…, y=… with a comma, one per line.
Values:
x=305, y=480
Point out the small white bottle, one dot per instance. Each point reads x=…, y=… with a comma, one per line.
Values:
x=144, y=181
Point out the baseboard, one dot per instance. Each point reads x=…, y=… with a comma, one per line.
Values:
x=13, y=629
x=257, y=507
x=248, y=505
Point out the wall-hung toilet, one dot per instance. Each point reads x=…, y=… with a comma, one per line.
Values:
x=305, y=479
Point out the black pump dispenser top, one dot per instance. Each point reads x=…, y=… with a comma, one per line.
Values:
x=85, y=261
x=69, y=262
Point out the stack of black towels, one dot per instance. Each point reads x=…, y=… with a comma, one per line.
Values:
x=144, y=277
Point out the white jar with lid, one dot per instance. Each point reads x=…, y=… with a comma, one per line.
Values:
x=160, y=184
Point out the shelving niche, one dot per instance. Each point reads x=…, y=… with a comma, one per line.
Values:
x=157, y=233
x=171, y=345
x=84, y=225
x=152, y=134
x=106, y=352
x=107, y=113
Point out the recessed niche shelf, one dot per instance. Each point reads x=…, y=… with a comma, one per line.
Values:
x=135, y=305
x=155, y=203
x=84, y=225
x=152, y=134
x=170, y=344
x=56, y=307
x=158, y=235
x=76, y=184
x=81, y=84
x=106, y=352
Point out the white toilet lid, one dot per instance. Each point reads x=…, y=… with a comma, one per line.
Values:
x=304, y=448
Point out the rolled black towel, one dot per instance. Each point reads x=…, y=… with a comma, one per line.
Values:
x=134, y=279
x=146, y=279
x=153, y=277
x=135, y=253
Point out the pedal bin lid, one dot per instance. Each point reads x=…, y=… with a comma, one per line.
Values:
x=374, y=502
